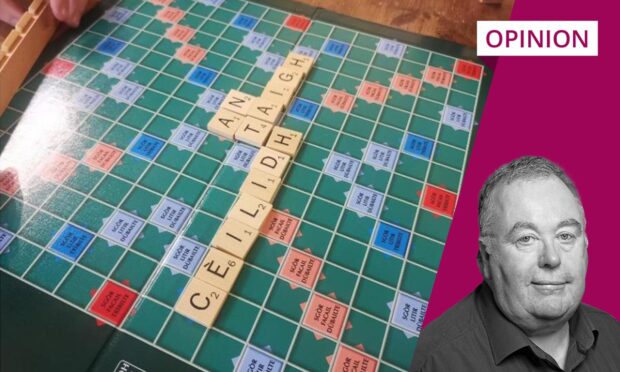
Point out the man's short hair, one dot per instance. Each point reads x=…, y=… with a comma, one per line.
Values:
x=524, y=168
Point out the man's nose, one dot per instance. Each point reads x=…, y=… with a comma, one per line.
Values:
x=550, y=255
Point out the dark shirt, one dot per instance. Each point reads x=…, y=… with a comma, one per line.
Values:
x=474, y=335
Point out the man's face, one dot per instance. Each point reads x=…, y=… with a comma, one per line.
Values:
x=537, y=253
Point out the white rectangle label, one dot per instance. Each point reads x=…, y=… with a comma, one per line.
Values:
x=537, y=38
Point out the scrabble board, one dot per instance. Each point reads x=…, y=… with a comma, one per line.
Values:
x=113, y=187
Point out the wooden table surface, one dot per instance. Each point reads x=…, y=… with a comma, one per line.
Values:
x=453, y=20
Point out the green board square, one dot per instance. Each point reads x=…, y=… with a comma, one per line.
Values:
x=80, y=75
x=147, y=319
x=442, y=61
x=337, y=282
x=332, y=189
x=136, y=118
x=203, y=228
x=18, y=256
x=252, y=284
x=351, y=146
x=237, y=317
x=388, y=136
x=94, y=127
x=363, y=56
x=432, y=226
x=347, y=84
x=158, y=179
x=234, y=34
x=226, y=83
x=37, y=192
x=218, y=202
x=418, y=281
x=302, y=178
x=14, y=214
x=218, y=351
x=165, y=84
x=140, y=202
x=158, y=27
x=153, y=242
x=399, y=348
x=133, y=53
x=95, y=60
x=202, y=168
x=137, y=20
x=449, y=156
x=254, y=10
x=292, y=200
x=425, y=251
x=310, y=353
x=215, y=148
x=323, y=213
x=213, y=28
x=356, y=227
x=385, y=62
x=406, y=188
x=189, y=92
x=101, y=256
x=465, y=85
x=376, y=179
x=111, y=109
x=312, y=92
x=416, y=55
x=77, y=286
x=189, y=20
x=394, y=118
x=379, y=76
x=411, y=166
x=202, y=40
x=454, y=137
x=237, y=69
x=151, y=100
x=103, y=27
x=222, y=15
x=286, y=34
x=187, y=190
x=63, y=202
x=347, y=253
x=444, y=177
x=89, y=40
x=321, y=136
x=120, y=136
x=259, y=76
x=279, y=341
x=134, y=271
x=161, y=127
x=373, y=298
x=199, y=117
x=287, y=301
x=312, y=156
x=181, y=336
x=412, y=69
x=330, y=119
x=167, y=287
x=265, y=254
x=354, y=69
x=280, y=47
x=433, y=93
x=313, y=238
x=173, y=157
x=401, y=101
x=366, y=331
x=124, y=33
x=155, y=60
x=320, y=28
x=359, y=127
x=148, y=9
x=48, y=271
x=224, y=47
x=141, y=75
x=92, y=214
x=398, y=213
x=429, y=109
x=130, y=168
x=275, y=16
x=383, y=267
x=111, y=190
x=74, y=53
x=77, y=146
x=312, y=41
x=328, y=62
x=230, y=179
x=366, y=41
x=176, y=109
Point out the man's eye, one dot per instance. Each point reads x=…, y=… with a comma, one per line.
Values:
x=566, y=237
x=526, y=240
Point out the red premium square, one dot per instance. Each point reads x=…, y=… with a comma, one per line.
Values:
x=59, y=68
x=439, y=201
x=297, y=22
x=113, y=302
x=468, y=69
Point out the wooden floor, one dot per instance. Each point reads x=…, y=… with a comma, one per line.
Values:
x=453, y=20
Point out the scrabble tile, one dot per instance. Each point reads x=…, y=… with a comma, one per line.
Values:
x=225, y=123
x=253, y=131
x=265, y=110
x=235, y=238
x=201, y=302
x=300, y=62
x=278, y=93
x=285, y=140
x=250, y=210
x=287, y=76
x=271, y=161
x=237, y=102
x=219, y=269
x=261, y=185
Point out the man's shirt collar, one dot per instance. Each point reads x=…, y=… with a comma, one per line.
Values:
x=505, y=338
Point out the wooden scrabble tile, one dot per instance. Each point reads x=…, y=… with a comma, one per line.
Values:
x=265, y=110
x=235, y=238
x=24, y=23
x=287, y=76
x=4, y=58
x=201, y=302
x=253, y=131
x=278, y=93
x=299, y=62
x=225, y=123
x=10, y=42
x=237, y=102
x=250, y=210
x=285, y=140
x=270, y=161
x=219, y=269
x=262, y=185
x=37, y=6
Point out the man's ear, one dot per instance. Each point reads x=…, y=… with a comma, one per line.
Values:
x=483, y=258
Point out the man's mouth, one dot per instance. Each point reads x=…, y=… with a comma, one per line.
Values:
x=549, y=287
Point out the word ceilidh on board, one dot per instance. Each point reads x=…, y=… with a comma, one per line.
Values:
x=233, y=186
